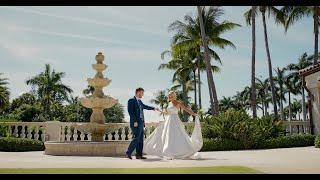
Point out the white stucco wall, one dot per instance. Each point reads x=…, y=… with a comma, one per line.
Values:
x=312, y=85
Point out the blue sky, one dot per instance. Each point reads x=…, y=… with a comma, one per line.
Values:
x=132, y=39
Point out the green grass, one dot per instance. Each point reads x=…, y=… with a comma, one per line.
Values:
x=184, y=170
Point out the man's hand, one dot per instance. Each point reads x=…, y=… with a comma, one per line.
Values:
x=156, y=109
x=135, y=124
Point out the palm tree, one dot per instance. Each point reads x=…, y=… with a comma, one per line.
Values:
x=181, y=63
x=50, y=89
x=188, y=35
x=279, y=17
x=290, y=83
x=4, y=93
x=227, y=103
x=183, y=66
x=303, y=62
x=295, y=13
x=161, y=100
x=296, y=108
x=243, y=98
x=263, y=94
x=280, y=79
x=253, y=62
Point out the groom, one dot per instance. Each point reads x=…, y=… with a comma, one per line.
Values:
x=135, y=109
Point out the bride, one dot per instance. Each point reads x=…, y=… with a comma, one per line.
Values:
x=170, y=140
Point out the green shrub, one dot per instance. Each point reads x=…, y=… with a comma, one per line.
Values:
x=9, y=118
x=238, y=125
x=27, y=113
x=222, y=126
x=317, y=141
x=18, y=145
x=300, y=140
x=4, y=131
x=269, y=128
x=219, y=144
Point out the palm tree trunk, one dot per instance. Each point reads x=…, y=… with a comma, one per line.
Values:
x=265, y=102
x=199, y=82
x=274, y=101
x=316, y=33
x=185, y=100
x=281, y=104
x=290, y=110
x=266, y=109
x=304, y=113
x=212, y=89
x=195, y=88
x=253, y=67
x=262, y=104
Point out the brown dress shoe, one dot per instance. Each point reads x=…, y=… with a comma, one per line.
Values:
x=128, y=156
x=140, y=157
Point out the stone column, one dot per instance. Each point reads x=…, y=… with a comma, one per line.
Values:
x=53, y=130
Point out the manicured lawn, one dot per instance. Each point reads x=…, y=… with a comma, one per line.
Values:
x=186, y=170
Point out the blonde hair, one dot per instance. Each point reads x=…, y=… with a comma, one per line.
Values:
x=172, y=95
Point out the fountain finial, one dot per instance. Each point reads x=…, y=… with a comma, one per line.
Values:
x=99, y=58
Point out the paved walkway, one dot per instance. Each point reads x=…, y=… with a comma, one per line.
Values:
x=289, y=160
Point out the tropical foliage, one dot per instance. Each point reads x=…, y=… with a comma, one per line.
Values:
x=4, y=93
x=239, y=126
x=50, y=100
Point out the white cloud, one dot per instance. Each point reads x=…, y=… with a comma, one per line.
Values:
x=89, y=21
x=20, y=50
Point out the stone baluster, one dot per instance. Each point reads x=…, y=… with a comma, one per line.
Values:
x=15, y=131
x=82, y=136
x=116, y=134
x=23, y=133
x=89, y=137
x=29, y=132
x=129, y=134
x=36, y=133
x=69, y=133
x=123, y=134
x=75, y=134
x=110, y=137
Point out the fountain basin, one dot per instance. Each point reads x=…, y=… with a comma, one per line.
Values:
x=87, y=148
x=95, y=102
x=98, y=82
x=99, y=67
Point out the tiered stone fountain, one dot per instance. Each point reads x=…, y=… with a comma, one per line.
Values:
x=98, y=102
x=97, y=126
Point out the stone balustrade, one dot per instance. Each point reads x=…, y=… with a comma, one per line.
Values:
x=29, y=130
x=297, y=127
x=66, y=131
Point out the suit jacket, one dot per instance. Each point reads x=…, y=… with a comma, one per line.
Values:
x=134, y=111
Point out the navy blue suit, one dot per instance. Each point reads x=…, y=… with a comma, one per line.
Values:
x=135, y=110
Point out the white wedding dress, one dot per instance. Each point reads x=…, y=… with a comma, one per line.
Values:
x=170, y=140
